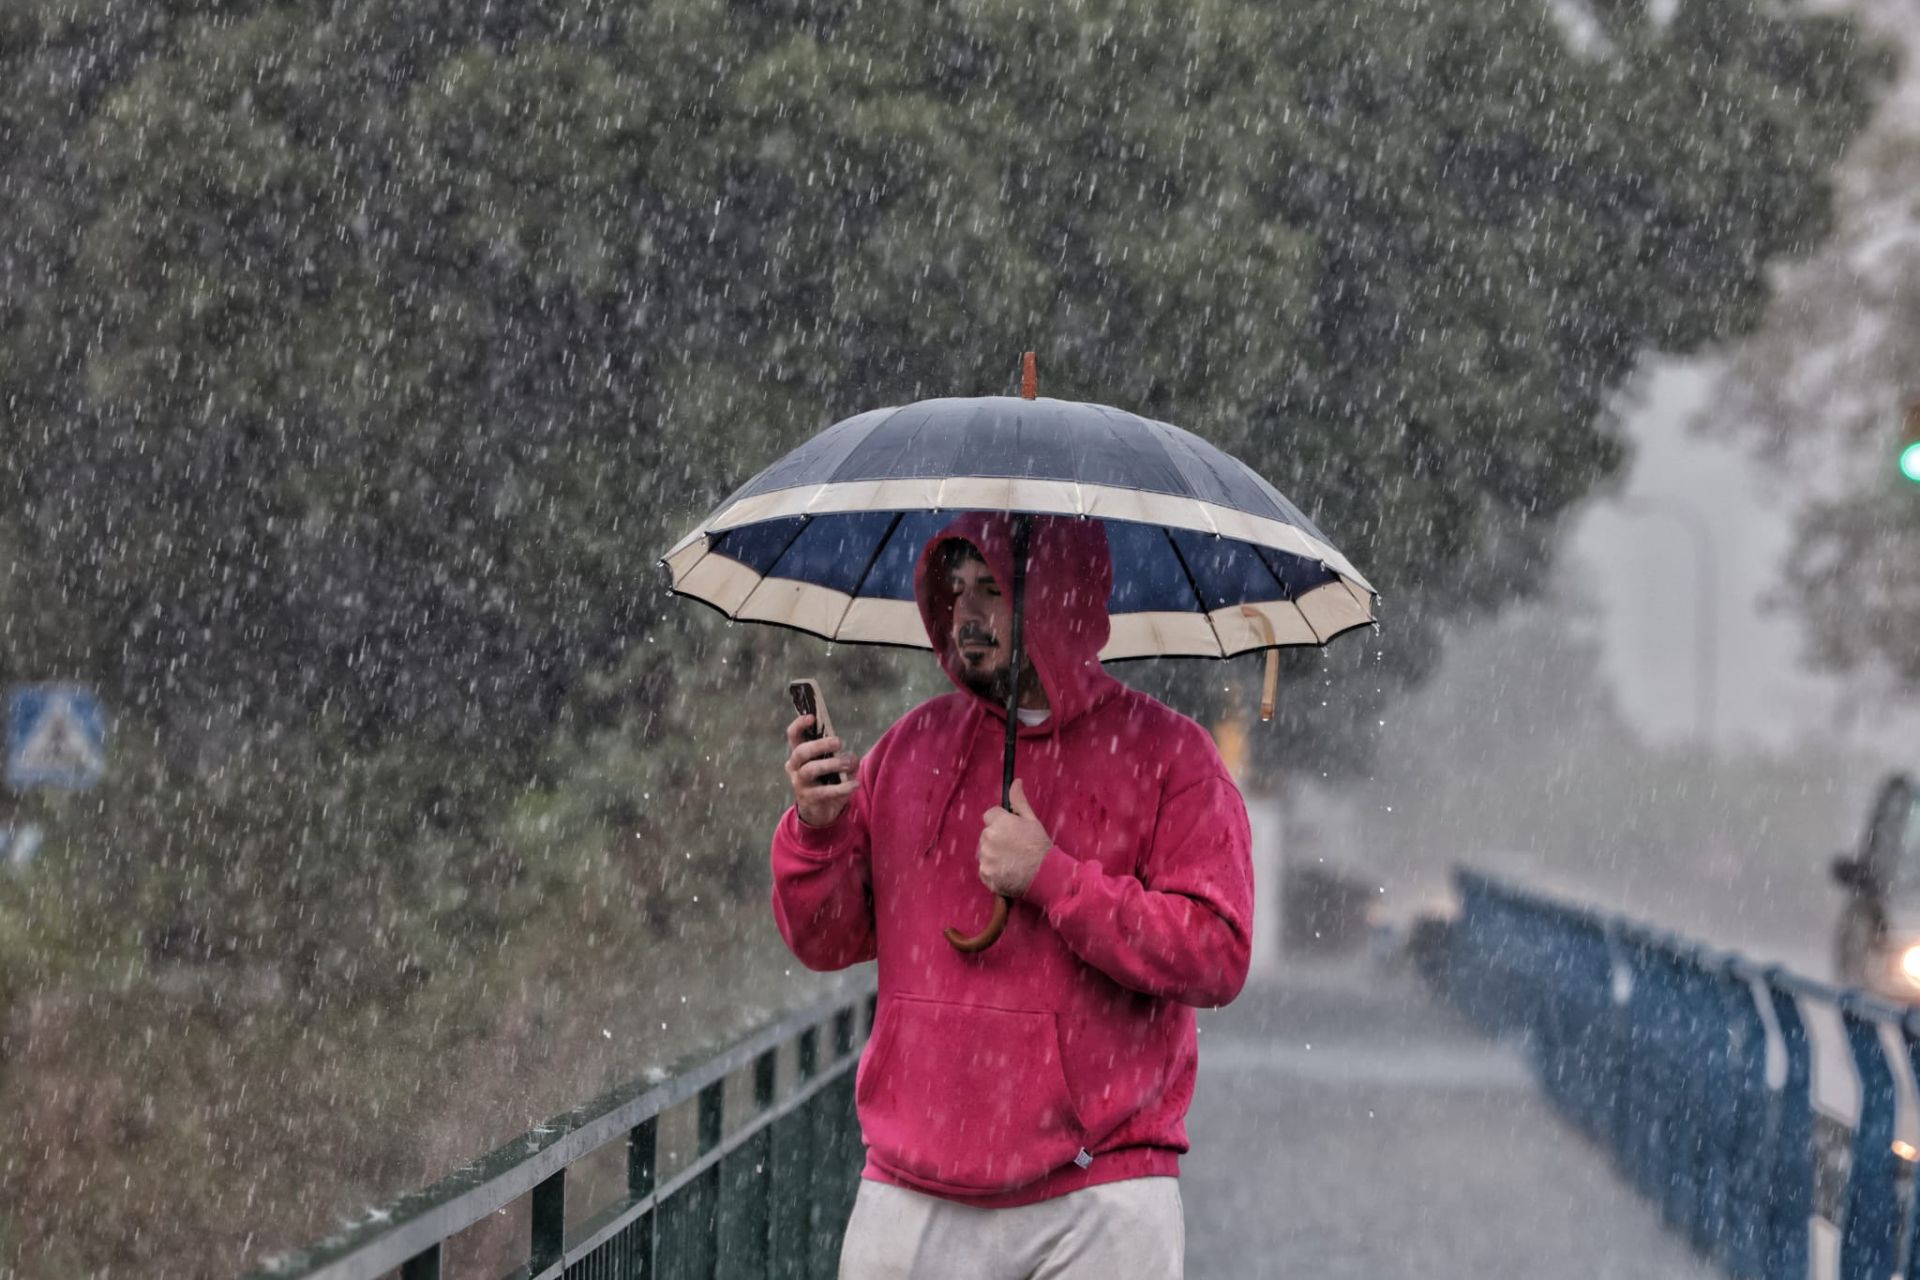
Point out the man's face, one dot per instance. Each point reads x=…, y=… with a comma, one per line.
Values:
x=982, y=624
x=981, y=631
x=982, y=616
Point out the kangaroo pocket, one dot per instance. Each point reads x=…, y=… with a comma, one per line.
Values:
x=966, y=1099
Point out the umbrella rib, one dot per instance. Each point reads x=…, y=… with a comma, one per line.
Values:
x=1261, y=553
x=853, y=597
x=833, y=476
x=1114, y=419
x=1364, y=604
x=706, y=549
x=772, y=564
x=1195, y=584
x=1174, y=450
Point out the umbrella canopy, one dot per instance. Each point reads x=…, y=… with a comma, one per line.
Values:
x=1209, y=559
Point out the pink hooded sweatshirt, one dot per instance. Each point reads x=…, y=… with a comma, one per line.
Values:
x=1063, y=1056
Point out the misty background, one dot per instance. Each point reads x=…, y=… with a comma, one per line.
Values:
x=1658, y=733
x=1693, y=716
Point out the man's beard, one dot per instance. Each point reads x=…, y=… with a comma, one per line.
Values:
x=994, y=685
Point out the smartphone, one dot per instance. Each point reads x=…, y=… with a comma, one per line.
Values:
x=809, y=701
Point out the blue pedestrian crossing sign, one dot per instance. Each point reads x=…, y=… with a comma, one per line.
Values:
x=56, y=737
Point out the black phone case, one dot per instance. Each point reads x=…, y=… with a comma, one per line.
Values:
x=803, y=703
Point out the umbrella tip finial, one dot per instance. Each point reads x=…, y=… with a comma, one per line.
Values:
x=1029, y=377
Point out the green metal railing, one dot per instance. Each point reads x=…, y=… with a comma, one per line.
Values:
x=768, y=1198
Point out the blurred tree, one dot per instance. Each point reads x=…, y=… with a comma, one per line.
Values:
x=1826, y=391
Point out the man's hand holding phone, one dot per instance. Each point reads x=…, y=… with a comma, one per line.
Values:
x=823, y=775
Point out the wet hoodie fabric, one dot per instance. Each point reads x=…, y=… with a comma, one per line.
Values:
x=1064, y=1055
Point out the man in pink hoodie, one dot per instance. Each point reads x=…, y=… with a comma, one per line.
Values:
x=1023, y=1107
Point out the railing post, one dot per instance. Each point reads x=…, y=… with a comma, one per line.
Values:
x=549, y=1222
x=1617, y=1118
x=820, y=1143
x=1910, y=1185
x=711, y=1126
x=747, y=1178
x=1709, y=1095
x=1790, y=1190
x=642, y=1142
x=642, y=1177
x=836, y=1147
x=1673, y=1053
x=1870, y=1224
x=792, y=1162
x=712, y=1115
x=765, y=1093
x=424, y=1265
x=1636, y=1115
x=1701, y=1045
x=766, y=1069
x=1742, y=1134
x=810, y=1053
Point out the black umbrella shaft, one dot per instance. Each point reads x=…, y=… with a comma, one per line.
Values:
x=1022, y=535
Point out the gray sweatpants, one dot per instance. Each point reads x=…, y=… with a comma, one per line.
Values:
x=1132, y=1230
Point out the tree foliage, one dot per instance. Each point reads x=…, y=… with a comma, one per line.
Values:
x=1824, y=390
x=360, y=359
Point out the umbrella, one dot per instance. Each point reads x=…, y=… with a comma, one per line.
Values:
x=1209, y=559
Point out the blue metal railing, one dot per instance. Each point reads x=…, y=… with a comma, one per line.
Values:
x=766, y=1193
x=1694, y=1069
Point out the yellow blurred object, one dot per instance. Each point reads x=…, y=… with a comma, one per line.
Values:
x=1905, y=1150
x=1230, y=735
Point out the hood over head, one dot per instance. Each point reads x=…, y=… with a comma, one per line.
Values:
x=1069, y=578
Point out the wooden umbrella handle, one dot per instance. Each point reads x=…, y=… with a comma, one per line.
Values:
x=1268, y=686
x=987, y=936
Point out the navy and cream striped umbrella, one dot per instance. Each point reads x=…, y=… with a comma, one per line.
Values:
x=1209, y=560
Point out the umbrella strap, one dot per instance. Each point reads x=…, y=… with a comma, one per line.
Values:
x=1271, y=684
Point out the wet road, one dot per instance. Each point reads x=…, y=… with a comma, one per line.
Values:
x=1347, y=1126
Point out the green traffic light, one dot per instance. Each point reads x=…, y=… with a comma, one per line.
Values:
x=1910, y=462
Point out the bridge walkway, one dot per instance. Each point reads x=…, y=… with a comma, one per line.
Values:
x=1348, y=1126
